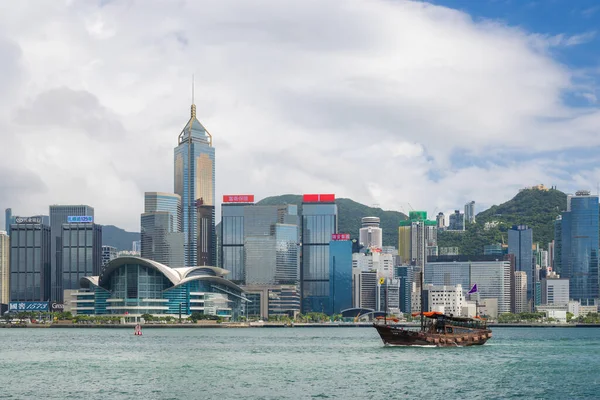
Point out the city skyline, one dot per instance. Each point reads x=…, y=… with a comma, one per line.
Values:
x=273, y=93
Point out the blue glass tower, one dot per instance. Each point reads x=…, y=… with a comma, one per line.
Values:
x=319, y=222
x=579, y=246
x=195, y=183
x=340, y=276
x=520, y=243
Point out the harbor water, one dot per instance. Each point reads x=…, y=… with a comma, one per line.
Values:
x=293, y=363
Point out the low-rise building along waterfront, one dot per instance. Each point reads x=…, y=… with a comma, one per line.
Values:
x=129, y=287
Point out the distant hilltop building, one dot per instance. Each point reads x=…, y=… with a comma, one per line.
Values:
x=539, y=187
x=456, y=221
x=470, y=212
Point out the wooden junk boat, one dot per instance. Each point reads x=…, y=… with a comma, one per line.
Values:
x=438, y=330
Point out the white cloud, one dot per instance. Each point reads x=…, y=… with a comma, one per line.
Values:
x=365, y=99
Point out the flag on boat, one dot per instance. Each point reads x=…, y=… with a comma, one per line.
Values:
x=473, y=289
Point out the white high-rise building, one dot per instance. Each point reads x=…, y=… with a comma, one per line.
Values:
x=371, y=235
x=383, y=264
x=364, y=289
x=470, y=212
x=440, y=221
x=521, y=292
x=445, y=299
x=555, y=290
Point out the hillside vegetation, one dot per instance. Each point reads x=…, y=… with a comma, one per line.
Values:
x=349, y=216
x=119, y=238
x=536, y=208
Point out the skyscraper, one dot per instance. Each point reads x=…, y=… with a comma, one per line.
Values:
x=371, y=235
x=417, y=238
x=270, y=245
x=232, y=235
x=161, y=237
x=319, y=222
x=578, y=246
x=59, y=215
x=340, y=276
x=521, y=284
x=441, y=221
x=470, y=212
x=81, y=253
x=7, y=220
x=30, y=246
x=520, y=243
x=456, y=221
x=4, y=268
x=195, y=183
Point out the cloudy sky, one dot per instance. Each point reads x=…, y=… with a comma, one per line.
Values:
x=397, y=103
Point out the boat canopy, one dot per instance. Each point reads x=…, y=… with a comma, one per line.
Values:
x=435, y=314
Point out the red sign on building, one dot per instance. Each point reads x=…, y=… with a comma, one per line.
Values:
x=238, y=198
x=340, y=236
x=318, y=198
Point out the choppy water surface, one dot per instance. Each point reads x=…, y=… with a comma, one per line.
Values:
x=294, y=363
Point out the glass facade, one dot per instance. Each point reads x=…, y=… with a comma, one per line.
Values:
x=319, y=222
x=59, y=216
x=520, y=243
x=448, y=274
x=260, y=244
x=169, y=202
x=30, y=246
x=81, y=253
x=493, y=280
x=579, y=247
x=158, y=242
x=405, y=275
x=340, y=276
x=131, y=286
x=195, y=183
x=232, y=241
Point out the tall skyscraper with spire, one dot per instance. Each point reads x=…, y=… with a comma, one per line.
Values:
x=195, y=183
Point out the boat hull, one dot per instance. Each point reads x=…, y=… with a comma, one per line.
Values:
x=396, y=336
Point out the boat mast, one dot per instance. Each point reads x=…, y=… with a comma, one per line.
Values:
x=386, y=302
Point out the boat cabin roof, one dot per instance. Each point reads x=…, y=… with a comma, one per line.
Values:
x=436, y=314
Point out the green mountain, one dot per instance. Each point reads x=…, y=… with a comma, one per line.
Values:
x=533, y=207
x=119, y=238
x=350, y=214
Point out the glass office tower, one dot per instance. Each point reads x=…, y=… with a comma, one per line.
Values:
x=81, y=253
x=520, y=243
x=59, y=215
x=30, y=246
x=232, y=240
x=579, y=246
x=319, y=222
x=340, y=276
x=195, y=183
x=161, y=237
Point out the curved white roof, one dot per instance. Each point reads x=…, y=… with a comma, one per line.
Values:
x=170, y=273
x=215, y=279
x=177, y=276
x=185, y=272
